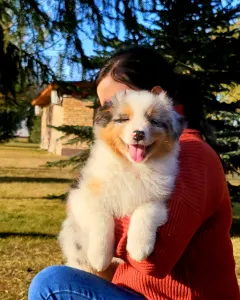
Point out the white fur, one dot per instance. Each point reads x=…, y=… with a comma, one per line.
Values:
x=138, y=190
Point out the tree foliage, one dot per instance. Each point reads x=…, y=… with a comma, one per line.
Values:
x=200, y=38
x=21, y=67
x=35, y=131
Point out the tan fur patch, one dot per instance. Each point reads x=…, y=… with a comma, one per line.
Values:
x=126, y=110
x=151, y=111
x=111, y=135
x=162, y=146
x=95, y=186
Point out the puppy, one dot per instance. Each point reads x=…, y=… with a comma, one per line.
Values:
x=130, y=172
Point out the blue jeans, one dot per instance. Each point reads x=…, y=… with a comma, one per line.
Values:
x=65, y=283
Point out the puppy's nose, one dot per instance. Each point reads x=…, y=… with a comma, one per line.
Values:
x=138, y=135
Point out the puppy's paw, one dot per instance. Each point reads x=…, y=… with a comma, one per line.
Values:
x=99, y=260
x=142, y=230
x=101, y=242
x=139, y=248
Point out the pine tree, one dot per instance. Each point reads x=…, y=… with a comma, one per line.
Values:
x=21, y=33
x=200, y=40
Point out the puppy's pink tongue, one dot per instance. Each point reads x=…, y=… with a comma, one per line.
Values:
x=137, y=152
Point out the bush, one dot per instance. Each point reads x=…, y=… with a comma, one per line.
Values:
x=35, y=131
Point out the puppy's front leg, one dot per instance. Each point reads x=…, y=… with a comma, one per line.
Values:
x=96, y=224
x=101, y=241
x=143, y=227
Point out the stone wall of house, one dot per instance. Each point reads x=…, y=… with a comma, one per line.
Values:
x=76, y=112
x=44, y=130
x=72, y=111
x=51, y=115
x=55, y=119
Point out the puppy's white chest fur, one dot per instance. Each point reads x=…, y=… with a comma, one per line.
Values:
x=117, y=187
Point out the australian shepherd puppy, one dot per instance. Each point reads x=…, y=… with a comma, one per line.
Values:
x=130, y=172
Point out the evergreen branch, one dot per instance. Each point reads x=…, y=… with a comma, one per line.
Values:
x=234, y=192
x=235, y=133
x=77, y=140
x=236, y=171
x=83, y=133
x=78, y=160
x=231, y=154
x=223, y=125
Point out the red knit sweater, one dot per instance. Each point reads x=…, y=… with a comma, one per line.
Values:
x=193, y=256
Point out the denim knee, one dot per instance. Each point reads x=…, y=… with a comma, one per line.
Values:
x=44, y=282
x=62, y=282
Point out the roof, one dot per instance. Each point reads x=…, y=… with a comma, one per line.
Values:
x=77, y=88
x=44, y=98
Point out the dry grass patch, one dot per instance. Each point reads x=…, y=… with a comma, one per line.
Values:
x=236, y=248
x=18, y=157
x=21, y=258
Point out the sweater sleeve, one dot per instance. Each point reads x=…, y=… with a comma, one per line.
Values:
x=197, y=189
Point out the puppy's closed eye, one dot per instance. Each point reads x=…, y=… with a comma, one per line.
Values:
x=121, y=119
x=104, y=114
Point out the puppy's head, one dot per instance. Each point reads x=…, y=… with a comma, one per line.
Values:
x=139, y=125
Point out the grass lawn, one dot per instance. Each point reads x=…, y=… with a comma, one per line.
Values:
x=30, y=219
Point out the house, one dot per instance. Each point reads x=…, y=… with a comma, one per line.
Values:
x=67, y=103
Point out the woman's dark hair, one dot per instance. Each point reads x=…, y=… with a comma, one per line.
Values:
x=144, y=68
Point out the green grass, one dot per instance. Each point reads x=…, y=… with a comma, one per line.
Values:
x=30, y=221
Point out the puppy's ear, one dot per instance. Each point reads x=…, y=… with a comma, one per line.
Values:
x=104, y=114
x=156, y=90
x=179, y=124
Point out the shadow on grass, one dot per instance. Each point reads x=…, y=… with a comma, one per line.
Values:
x=62, y=197
x=37, y=169
x=27, y=234
x=9, y=179
x=48, y=197
x=235, y=230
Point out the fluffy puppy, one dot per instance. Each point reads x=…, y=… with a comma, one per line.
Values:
x=130, y=172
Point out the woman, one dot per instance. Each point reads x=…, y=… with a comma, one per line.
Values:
x=193, y=255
